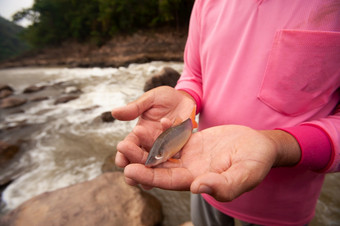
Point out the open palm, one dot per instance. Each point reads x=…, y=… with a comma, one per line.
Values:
x=223, y=161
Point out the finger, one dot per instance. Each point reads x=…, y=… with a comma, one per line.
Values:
x=130, y=182
x=131, y=150
x=213, y=184
x=146, y=137
x=166, y=123
x=134, y=183
x=165, y=178
x=121, y=161
x=227, y=185
x=135, y=108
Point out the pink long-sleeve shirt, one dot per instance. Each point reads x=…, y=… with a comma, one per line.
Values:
x=270, y=64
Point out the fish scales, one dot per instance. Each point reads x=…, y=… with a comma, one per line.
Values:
x=169, y=143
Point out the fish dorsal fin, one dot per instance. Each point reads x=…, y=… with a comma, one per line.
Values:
x=192, y=117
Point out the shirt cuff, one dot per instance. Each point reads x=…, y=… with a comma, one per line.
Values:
x=315, y=145
x=194, y=96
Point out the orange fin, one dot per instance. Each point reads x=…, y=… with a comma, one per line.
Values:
x=192, y=117
x=177, y=121
x=173, y=160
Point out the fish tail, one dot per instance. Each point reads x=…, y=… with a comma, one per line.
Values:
x=192, y=117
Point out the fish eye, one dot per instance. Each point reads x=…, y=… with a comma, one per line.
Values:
x=159, y=156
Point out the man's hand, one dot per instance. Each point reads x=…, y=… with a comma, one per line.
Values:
x=156, y=109
x=223, y=161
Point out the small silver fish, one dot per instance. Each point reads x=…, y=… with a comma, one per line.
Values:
x=171, y=141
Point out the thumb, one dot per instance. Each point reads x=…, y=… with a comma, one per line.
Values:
x=214, y=184
x=134, y=109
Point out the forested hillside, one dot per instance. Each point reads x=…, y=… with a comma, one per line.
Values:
x=55, y=21
x=10, y=43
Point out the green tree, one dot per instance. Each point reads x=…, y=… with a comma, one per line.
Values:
x=55, y=21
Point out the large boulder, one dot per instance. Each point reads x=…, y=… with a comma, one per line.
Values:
x=167, y=77
x=10, y=102
x=106, y=200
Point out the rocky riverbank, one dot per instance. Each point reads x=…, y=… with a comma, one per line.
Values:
x=140, y=47
x=106, y=199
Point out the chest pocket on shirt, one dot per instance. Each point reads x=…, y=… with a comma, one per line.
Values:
x=303, y=71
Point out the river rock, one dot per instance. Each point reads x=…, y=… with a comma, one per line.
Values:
x=7, y=153
x=33, y=89
x=167, y=77
x=65, y=99
x=5, y=93
x=39, y=98
x=10, y=102
x=5, y=90
x=91, y=108
x=5, y=87
x=106, y=200
x=107, y=117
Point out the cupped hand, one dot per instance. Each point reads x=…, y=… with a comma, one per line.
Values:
x=156, y=110
x=223, y=161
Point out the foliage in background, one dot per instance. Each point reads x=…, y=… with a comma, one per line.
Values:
x=55, y=21
x=10, y=43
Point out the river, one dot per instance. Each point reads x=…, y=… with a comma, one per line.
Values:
x=66, y=144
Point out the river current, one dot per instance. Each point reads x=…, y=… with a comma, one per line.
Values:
x=66, y=143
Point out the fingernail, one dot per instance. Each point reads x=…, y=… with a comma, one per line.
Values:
x=204, y=189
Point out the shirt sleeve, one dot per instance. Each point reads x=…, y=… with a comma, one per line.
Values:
x=191, y=78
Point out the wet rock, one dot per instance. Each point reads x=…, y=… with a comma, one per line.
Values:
x=89, y=108
x=10, y=102
x=7, y=153
x=39, y=98
x=5, y=91
x=107, y=117
x=65, y=99
x=33, y=89
x=5, y=87
x=167, y=77
x=106, y=200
